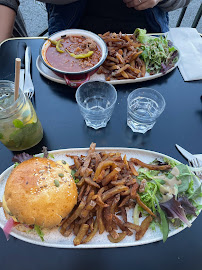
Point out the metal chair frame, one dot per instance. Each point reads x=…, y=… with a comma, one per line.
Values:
x=196, y=19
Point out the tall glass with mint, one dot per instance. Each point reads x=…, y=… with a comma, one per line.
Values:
x=20, y=127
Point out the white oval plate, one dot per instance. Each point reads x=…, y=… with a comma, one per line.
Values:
x=54, y=239
x=49, y=74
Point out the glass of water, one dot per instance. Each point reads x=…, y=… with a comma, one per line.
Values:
x=144, y=106
x=96, y=100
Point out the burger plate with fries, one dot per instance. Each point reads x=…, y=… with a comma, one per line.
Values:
x=120, y=197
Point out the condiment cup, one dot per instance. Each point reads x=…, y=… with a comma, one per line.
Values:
x=144, y=106
x=96, y=100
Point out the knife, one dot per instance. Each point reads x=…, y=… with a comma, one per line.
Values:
x=21, y=46
x=185, y=153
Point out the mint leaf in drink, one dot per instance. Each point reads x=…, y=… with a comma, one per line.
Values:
x=23, y=137
x=18, y=123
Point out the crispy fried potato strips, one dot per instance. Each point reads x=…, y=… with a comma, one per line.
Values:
x=115, y=239
x=92, y=233
x=81, y=233
x=143, y=227
x=123, y=60
x=144, y=206
x=150, y=166
x=107, y=188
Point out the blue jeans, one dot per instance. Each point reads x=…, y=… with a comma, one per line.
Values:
x=62, y=17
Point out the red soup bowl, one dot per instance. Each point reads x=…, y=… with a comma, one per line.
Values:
x=73, y=78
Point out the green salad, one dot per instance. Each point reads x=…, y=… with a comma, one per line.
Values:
x=158, y=53
x=172, y=195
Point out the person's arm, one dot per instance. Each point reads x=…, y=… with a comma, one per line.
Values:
x=7, y=20
x=169, y=5
x=166, y=5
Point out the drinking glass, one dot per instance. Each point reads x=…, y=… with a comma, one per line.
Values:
x=20, y=127
x=96, y=100
x=144, y=106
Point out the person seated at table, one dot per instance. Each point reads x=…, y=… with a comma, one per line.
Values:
x=106, y=15
x=112, y=15
x=11, y=21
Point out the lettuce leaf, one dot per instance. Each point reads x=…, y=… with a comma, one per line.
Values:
x=149, y=196
x=179, y=209
x=141, y=35
x=158, y=53
x=25, y=156
x=21, y=157
x=171, y=162
x=144, y=173
x=39, y=232
x=174, y=209
x=164, y=224
x=189, y=209
x=185, y=176
x=193, y=194
x=45, y=151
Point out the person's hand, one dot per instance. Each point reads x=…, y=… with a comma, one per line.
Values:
x=141, y=4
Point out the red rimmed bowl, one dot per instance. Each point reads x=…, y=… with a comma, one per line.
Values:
x=74, y=78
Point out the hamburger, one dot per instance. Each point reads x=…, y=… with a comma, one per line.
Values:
x=39, y=192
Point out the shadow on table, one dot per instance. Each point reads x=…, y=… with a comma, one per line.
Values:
x=135, y=139
x=61, y=90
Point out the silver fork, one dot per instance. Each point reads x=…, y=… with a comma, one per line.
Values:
x=196, y=163
x=28, y=84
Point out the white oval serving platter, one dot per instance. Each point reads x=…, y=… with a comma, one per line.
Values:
x=54, y=239
x=50, y=75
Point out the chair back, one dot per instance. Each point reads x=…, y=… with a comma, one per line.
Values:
x=196, y=19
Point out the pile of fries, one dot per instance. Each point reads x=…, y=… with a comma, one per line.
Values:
x=123, y=60
x=107, y=187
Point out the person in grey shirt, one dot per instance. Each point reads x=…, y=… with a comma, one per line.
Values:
x=149, y=14
x=112, y=15
x=167, y=5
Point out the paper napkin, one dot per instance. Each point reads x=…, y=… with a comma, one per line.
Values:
x=189, y=43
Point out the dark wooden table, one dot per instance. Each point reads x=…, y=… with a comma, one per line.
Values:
x=64, y=127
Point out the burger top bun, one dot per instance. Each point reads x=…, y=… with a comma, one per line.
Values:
x=40, y=192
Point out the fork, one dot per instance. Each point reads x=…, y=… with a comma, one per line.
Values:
x=196, y=163
x=28, y=84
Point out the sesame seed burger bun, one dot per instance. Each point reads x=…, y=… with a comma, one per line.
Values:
x=40, y=192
